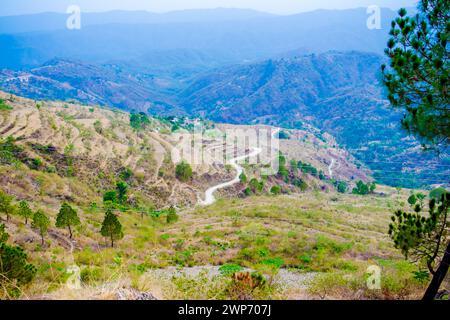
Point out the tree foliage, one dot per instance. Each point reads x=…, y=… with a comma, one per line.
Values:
x=416, y=234
x=122, y=189
x=110, y=196
x=41, y=222
x=15, y=271
x=424, y=239
x=276, y=190
x=111, y=227
x=139, y=120
x=183, y=171
x=341, y=187
x=363, y=188
x=6, y=205
x=417, y=78
x=67, y=218
x=172, y=216
x=25, y=211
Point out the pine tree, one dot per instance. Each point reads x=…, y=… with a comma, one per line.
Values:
x=67, y=218
x=425, y=239
x=15, y=271
x=41, y=222
x=417, y=78
x=25, y=211
x=6, y=205
x=122, y=189
x=111, y=227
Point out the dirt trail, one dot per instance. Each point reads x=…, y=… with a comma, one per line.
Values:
x=209, y=194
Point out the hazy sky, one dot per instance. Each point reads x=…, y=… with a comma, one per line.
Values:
x=14, y=7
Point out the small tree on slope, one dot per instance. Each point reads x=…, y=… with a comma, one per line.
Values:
x=41, y=222
x=111, y=227
x=6, y=206
x=67, y=218
x=25, y=211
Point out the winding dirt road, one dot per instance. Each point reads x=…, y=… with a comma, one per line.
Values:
x=209, y=194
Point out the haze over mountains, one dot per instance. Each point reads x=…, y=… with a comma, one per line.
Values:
x=226, y=36
x=229, y=65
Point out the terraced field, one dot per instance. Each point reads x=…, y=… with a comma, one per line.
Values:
x=308, y=242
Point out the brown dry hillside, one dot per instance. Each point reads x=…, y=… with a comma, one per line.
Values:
x=320, y=241
x=77, y=152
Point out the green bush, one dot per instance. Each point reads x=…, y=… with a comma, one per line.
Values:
x=364, y=189
x=9, y=151
x=139, y=121
x=15, y=270
x=230, y=269
x=276, y=190
x=341, y=187
x=243, y=178
x=183, y=171
x=172, y=216
x=110, y=196
x=4, y=106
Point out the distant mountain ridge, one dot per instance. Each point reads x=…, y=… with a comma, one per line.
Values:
x=249, y=37
x=51, y=21
x=337, y=92
x=63, y=79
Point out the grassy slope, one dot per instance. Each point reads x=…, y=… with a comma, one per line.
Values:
x=333, y=234
x=336, y=236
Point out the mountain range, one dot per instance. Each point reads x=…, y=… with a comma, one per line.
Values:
x=226, y=37
x=240, y=67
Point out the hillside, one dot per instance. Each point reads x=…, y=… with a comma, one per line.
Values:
x=59, y=152
x=95, y=145
x=61, y=79
x=331, y=91
x=336, y=92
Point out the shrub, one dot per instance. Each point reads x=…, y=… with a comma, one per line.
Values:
x=243, y=178
x=139, y=121
x=341, y=187
x=364, y=189
x=299, y=183
x=256, y=186
x=244, y=285
x=9, y=151
x=14, y=267
x=183, y=171
x=4, y=106
x=110, y=196
x=172, y=216
x=122, y=189
x=283, y=135
x=276, y=190
x=230, y=269
x=98, y=127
